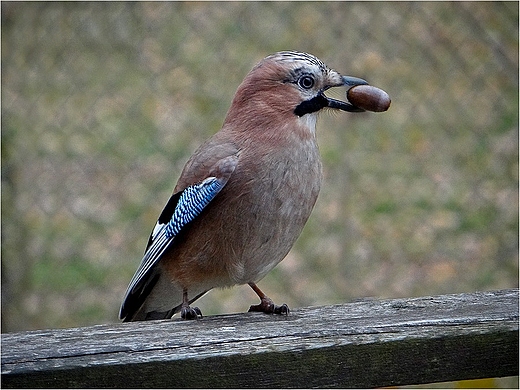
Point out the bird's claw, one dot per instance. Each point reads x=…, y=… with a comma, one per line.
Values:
x=267, y=306
x=282, y=309
x=189, y=313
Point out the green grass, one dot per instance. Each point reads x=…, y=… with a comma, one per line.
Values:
x=103, y=103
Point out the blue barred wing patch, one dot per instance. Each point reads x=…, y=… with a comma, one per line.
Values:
x=190, y=204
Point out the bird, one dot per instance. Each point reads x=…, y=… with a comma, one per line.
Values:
x=244, y=195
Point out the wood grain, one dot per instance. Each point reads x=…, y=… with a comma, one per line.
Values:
x=370, y=343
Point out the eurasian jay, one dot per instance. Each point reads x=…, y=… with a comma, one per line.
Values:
x=244, y=196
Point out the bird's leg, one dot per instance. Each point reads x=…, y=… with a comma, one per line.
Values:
x=266, y=304
x=187, y=312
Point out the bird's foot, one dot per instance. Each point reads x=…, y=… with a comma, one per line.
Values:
x=190, y=313
x=267, y=306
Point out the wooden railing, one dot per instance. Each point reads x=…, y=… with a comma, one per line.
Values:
x=370, y=343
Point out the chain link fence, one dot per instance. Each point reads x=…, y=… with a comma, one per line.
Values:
x=103, y=103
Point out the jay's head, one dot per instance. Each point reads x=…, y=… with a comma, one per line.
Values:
x=288, y=86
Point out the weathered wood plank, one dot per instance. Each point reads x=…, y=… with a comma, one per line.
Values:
x=362, y=344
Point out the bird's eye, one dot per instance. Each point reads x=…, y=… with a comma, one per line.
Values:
x=306, y=82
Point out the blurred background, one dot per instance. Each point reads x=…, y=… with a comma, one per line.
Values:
x=103, y=103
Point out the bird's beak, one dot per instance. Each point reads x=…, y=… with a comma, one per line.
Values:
x=349, y=82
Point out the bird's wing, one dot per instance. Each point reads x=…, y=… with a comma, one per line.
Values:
x=182, y=208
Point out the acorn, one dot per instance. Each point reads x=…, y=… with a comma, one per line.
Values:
x=369, y=98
